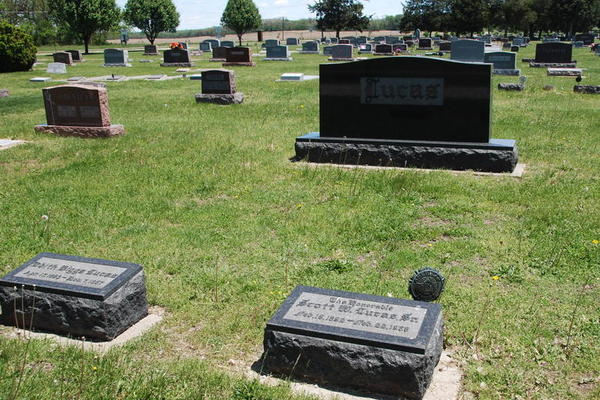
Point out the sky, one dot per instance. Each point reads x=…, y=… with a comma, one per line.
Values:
x=195, y=14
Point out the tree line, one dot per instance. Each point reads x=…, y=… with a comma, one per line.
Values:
x=531, y=17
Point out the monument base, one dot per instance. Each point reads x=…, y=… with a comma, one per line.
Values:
x=94, y=319
x=499, y=155
x=511, y=86
x=590, y=89
x=117, y=65
x=216, y=60
x=565, y=71
x=183, y=64
x=509, y=72
x=223, y=99
x=353, y=366
x=82, y=131
x=278, y=59
x=383, y=54
x=239, y=64
x=308, y=52
x=534, y=64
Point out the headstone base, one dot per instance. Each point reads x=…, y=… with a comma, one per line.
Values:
x=534, y=64
x=239, y=64
x=96, y=320
x=224, y=99
x=279, y=59
x=216, y=60
x=365, y=52
x=383, y=54
x=348, y=365
x=590, y=89
x=510, y=72
x=528, y=60
x=499, y=155
x=117, y=65
x=511, y=87
x=308, y=52
x=81, y=131
x=565, y=71
x=3, y=92
x=184, y=64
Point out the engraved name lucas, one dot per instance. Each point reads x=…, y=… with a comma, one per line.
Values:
x=402, y=91
x=71, y=272
x=370, y=316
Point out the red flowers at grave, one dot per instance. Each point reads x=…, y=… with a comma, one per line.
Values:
x=176, y=45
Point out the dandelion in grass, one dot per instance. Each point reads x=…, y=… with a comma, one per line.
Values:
x=495, y=277
x=595, y=241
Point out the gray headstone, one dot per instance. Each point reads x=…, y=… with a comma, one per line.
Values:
x=501, y=59
x=227, y=43
x=116, y=56
x=277, y=52
x=342, y=51
x=467, y=50
x=205, y=46
x=56, y=68
x=271, y=42
x=291, y=41
x=310, y=46
x=74, y=296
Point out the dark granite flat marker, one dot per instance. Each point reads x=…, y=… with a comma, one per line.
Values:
x=352, y=340
x=74, y=296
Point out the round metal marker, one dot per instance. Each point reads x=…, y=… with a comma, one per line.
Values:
x=427, y=284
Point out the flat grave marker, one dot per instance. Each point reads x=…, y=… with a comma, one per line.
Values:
x=75, y=296
x=324, y=330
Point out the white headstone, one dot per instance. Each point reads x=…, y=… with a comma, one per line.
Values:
x=57, y=68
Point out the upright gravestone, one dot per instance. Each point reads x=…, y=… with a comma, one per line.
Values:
x=467, y=50
x=227, y=43
x=56, y=68
x=218, y=87
x=335, y=338
x=344, y=41
x=586, y=38
x=327, y=50
x=554, y=55
x=341, y=52
x=78, y=110
x=311, y=47
x=75, y=55
x=425, y=44
x=116, y=58
x=150, y=50
x=504, y=62
x=518, y=41
x=366, y=48
x=271, y=42
x=74, y=296
x=176, y=58
x=240, y=56
x=396, y=98
x=578, y=44
x=333, y=40
x=219, y=54
x=445, y=46
x=399, y=48
x=213, y=42
x=62, y=57
x=383, y=50
x=278, y=53
x=291, y=41
x=205, y=46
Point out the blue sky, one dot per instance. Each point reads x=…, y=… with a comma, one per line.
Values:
x=207, y=13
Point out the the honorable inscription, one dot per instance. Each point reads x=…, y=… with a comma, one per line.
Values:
x=369, y=316
x=405, y=91
x=47, y=269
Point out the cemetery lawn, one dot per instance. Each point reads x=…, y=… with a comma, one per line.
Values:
x=205, y=198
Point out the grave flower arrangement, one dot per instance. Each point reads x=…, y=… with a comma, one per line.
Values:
x=176, y=45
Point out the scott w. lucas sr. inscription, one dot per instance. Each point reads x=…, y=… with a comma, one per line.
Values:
x=404, y=91
x=344, y=312
x=71, y=272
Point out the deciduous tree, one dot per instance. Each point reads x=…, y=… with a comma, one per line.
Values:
x=152, y=16
x=241, y=16
x=339, y=15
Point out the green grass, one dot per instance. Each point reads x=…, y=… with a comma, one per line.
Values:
x=204, y=197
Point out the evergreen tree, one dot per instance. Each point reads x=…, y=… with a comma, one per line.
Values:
x=467, y=16
x=152, y=16
x=241, y=16
x=85, y=17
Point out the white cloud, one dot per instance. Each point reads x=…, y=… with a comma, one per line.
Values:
x=280, y=2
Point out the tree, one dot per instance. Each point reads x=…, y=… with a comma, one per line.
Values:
x=428, y=15
x=85, y=17
x=152, y=16
x=241, y=16
x=17, y=51
x=572, y=16
x=467, y=16
x=338, y=15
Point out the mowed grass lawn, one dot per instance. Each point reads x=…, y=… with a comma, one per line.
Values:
x=205, y=198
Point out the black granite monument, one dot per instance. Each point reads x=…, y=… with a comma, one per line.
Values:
x=554, y=55
x=355, y=341
x=415, y=112
x=74, y=296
